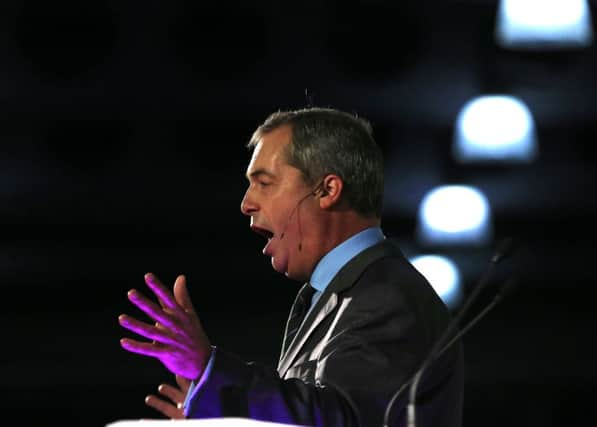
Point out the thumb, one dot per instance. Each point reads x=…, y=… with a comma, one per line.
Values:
x=181, y=295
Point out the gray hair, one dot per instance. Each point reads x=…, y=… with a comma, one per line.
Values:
x=325, y=141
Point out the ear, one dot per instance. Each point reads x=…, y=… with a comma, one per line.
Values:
x=330, y=191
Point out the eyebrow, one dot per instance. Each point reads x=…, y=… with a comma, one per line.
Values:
x=259, y=172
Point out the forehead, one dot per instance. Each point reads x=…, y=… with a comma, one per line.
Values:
x=269, y=152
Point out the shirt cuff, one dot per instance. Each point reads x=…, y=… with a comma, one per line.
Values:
x=194, y=388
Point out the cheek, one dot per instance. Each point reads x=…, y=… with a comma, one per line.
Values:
x=281, y=214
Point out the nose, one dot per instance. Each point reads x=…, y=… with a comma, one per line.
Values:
x=247, y=205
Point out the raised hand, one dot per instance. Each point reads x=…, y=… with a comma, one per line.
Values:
x=172, y=408
x=178, y=339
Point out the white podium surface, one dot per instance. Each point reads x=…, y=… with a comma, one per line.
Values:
x=211, y=422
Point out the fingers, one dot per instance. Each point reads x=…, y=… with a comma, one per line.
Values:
x=167, y=409
x=152, y=332
x=172, y=393
x=150, y=308
x=179, y=341
x=160, y=291
x=171, y=409
x=183, y=383
x=181, y=295
x=146, y=349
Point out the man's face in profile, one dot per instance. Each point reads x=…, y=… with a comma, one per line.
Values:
x=278, y=202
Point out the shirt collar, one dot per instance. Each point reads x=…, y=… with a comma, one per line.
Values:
x=334, y=260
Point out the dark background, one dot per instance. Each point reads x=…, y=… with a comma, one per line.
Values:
x=122, y=132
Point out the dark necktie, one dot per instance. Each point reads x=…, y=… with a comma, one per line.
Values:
x=297, y=314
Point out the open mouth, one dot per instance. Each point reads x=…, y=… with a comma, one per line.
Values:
x=262, y=231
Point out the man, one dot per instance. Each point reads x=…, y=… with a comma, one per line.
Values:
x=360, y=326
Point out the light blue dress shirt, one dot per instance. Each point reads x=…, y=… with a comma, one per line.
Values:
x=338, y=257
x=324, y=272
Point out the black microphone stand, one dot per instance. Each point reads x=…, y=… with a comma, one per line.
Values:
x=440, y=346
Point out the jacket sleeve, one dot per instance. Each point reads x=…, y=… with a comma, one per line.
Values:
x=236, y=388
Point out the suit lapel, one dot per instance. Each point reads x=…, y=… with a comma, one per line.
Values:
x=328, y=301
x=315, y=317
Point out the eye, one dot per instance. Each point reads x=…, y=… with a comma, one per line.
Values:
x=263, y=183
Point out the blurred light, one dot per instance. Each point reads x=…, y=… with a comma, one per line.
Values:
x=454, y=215
x=495, y=128
x=443, y=275
x=544, y=23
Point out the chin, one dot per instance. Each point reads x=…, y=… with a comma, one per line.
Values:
x=283, y=269
x=282, y=265
x=279, y=265
x=299, y=276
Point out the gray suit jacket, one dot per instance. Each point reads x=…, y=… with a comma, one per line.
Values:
x=367, y=334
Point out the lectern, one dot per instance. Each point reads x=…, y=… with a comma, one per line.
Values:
x=213, y=422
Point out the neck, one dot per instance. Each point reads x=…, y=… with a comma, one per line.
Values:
x=346, y=228
x=339, y=227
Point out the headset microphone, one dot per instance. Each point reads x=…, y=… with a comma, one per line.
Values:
x=296, y=209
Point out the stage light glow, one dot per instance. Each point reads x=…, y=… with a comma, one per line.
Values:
x=495, y=128
x=443, y=275
x=544, y=23
x=454, y=215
